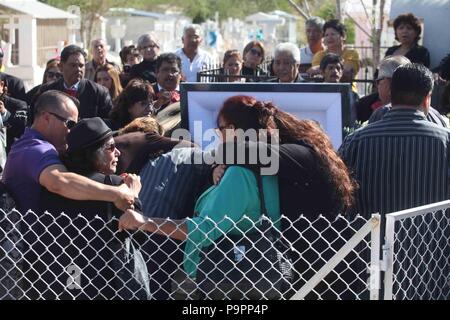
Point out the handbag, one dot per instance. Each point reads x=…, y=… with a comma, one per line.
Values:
x=256, y=265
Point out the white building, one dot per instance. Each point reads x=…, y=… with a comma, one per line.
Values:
x=33, y=33
x=168, y=27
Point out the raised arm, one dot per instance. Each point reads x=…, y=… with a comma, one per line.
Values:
x=58, y=180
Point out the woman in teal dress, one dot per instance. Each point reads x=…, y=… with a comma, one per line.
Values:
x=232, y=207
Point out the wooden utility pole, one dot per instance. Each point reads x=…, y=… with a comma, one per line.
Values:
x=338, y=10
x=377, y=30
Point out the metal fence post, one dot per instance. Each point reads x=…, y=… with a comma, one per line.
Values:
x=374, y=279
x=388, y=250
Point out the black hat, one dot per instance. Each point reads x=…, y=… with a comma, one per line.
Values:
x=87, y=133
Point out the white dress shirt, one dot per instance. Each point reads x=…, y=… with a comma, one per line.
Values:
x=201, y=61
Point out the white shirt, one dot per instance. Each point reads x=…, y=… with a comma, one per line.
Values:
x=306, y=55
x=201, y=61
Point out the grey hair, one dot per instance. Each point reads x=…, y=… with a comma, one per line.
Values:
x=316, y=22
x=288, y=47
x=98, y=39
x=389, y=64
x=195, y=27
x=147, y=37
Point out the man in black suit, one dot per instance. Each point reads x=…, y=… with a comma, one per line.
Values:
x=13, y=114
x=168, y=77
x=16, y=88
x=94, y=98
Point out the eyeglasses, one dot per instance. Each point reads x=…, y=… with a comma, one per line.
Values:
x=69, y=123
x=110, y=147
x=52, y=74
x=256, y=52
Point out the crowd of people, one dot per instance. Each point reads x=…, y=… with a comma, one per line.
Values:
x=93, y=138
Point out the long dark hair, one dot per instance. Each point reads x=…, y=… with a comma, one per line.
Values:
x=245, y=112
x=136, y=90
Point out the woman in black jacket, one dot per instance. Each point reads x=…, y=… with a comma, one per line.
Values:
x=87, y=238
x=407, y=31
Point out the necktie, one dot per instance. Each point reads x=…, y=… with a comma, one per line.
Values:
x=174, y=96
x=71, y=92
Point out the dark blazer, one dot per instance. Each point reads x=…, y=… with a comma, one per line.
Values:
x=417, y=54
x=17, y=121
x=16, y=88
x=94, y=98
x=30, y=95
x=364, y=106
x=145, y=70
x=92, y=244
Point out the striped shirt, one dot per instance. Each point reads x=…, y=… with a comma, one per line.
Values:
x=399, y=162
x=171, y=184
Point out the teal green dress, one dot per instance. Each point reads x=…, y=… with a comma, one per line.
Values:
x=236, y=196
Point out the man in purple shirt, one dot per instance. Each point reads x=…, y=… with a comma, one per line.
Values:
x=34, y=162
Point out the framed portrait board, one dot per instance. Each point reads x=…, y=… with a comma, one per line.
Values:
x=329, y=104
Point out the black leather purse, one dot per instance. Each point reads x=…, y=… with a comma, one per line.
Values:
x=254, y=266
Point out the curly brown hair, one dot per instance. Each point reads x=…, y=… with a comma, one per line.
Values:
x=410, y=19
x=245, y=112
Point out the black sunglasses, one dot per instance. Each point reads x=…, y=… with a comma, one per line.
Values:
x=69, y=123
x=110, y=147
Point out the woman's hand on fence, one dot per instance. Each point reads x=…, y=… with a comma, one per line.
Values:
x=133, y=182
x=131, y=220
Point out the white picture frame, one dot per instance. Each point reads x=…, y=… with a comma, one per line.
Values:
x=329, y=104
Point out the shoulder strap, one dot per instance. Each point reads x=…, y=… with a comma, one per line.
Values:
x=261, y=195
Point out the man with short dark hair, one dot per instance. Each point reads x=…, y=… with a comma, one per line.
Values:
x=168, y=77
x=401, y=161
x=332, y=70
x=95, y=100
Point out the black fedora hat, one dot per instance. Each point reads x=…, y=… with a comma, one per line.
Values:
x=87, y=133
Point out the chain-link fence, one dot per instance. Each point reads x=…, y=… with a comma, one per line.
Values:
x=418, y=246
x=61, y=257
